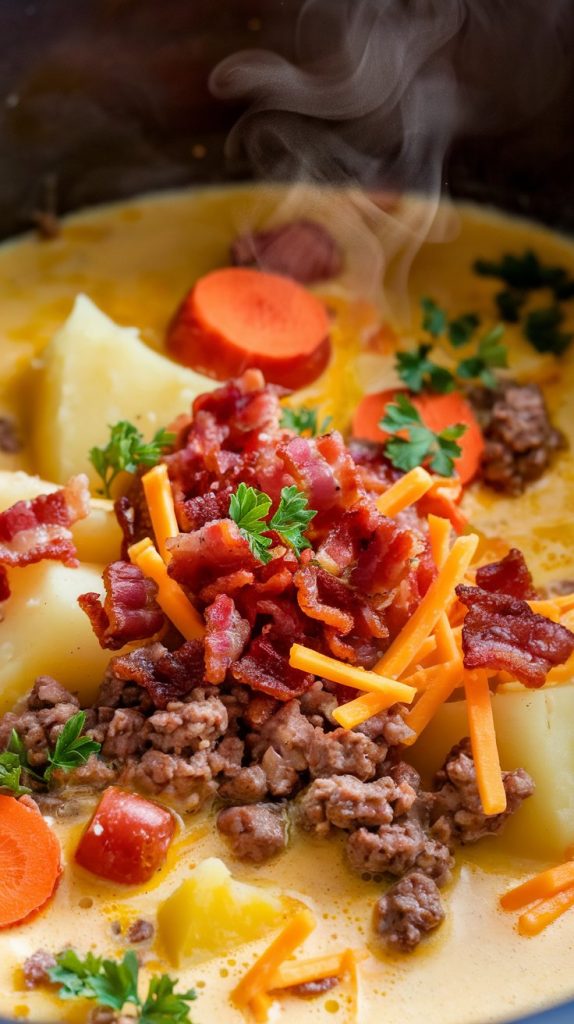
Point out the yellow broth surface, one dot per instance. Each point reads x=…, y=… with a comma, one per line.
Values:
x=136, y=261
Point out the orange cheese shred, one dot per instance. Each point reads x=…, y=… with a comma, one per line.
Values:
x=483, y=742
x=299, y=972
x=427, y=648
x=545, y=912
x=404, y=492
x=539, y=887
x=170, y=596
x=339, y=672
x=439, y=689
x=256, y=981
x=159, y=498
x=439, y=536
x=407, y=644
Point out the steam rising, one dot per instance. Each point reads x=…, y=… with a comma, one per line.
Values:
x=375, y=94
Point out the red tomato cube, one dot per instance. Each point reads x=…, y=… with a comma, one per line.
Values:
x=127, y=838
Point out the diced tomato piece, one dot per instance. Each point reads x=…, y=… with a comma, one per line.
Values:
x=127, y=838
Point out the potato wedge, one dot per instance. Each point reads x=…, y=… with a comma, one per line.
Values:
x=211, y=913
x=44, y=632
x=93, y=374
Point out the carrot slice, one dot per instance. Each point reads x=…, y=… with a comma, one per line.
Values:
x=545, y=912
x=437, y=412
x=29, y=861
x=237, y=318
x=540, y=887
x=483, y=742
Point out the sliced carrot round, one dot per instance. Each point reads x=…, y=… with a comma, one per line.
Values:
x=437, y=412
x=29, y=861
x=237, y=318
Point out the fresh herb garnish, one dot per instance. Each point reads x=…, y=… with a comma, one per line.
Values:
x=434, y=318
x=303, y=420
x=490, y=354
x=509, y=303
x=422, y=445
x=71, y=748
x=417, y=371
x=10, y=773
x=541, y=327
x=524, y=272
x=461, y=329
x=249, y=508
x=126, y=451
x=292, y=518
x=114, y=984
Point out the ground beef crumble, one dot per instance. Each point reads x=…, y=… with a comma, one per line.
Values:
x=407, y=911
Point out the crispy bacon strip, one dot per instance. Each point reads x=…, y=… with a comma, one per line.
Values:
x=166, y=675
x=225, y=637
x=201, y=557
x=40, y=527
x=129, y=611
x=509, y=576
x=266, y=667
x=500, y=632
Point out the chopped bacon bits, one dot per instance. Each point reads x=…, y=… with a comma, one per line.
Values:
x=226, y=635
x=501, y=632
x=39, y=528
x=509, y=576
x=129, y=611
x=166, y=675
x=201, y=557
x=302, y=249
x=266, y=667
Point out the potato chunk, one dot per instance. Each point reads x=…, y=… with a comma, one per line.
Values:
x=93, y=374
x=534, y=731
x=45, y=632
x=97, y=538
x=210, y=913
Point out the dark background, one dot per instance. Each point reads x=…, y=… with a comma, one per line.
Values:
x=105, y=98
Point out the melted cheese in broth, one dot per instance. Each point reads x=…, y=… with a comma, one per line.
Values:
x=136, y=260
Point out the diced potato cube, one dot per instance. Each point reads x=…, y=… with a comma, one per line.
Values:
x=534, y=731
x=211, y=913
x=44, y=632
x=95, y=373
x=97, y=538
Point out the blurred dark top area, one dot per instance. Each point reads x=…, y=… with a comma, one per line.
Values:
x=101, y=99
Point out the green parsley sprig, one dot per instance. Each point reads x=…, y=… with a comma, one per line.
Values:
x=126, y=451
x=491, y=354
x=303, y=420
x=71, y=750
x=417, y=371
x=421, y=445
x=249, y=508
x=114, y=984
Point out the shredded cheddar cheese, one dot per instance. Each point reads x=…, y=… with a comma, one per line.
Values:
x=447, y=677
x=404, y=492
x=299, y=972
x=483, y=742
x=339, y=672
x=439, y=536
x=159, y=498
x=170, y=596
x=539, y=887
x=545, y=912
x=256, y=981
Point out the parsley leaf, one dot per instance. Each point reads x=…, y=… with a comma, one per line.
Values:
x=248, y=508
x=462, y=328
x=434, y=318
x=490, y=354
x=525, y=271
x=422, y=445
x=114, y=984
x=292, y=518
x=541, y=329
x=303, y=420
x=126, y=450
x=165, y=1006
x=10, y=773
x=417, y=371
x=71, y=748
x=509, y=303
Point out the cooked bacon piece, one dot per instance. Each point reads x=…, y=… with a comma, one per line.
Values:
x=225, y=637
x=501, y=632
x=201, y=557
x=244, y=408
x=509, y=576
x=324, y=470
x=4, y=585
x=129, y=612
x=329, y=600
x=229, y=584
x=303, y=250
x=165, y=675
x=205, y=508
x=384, y=560
x=266, y=667
x=40, y=527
